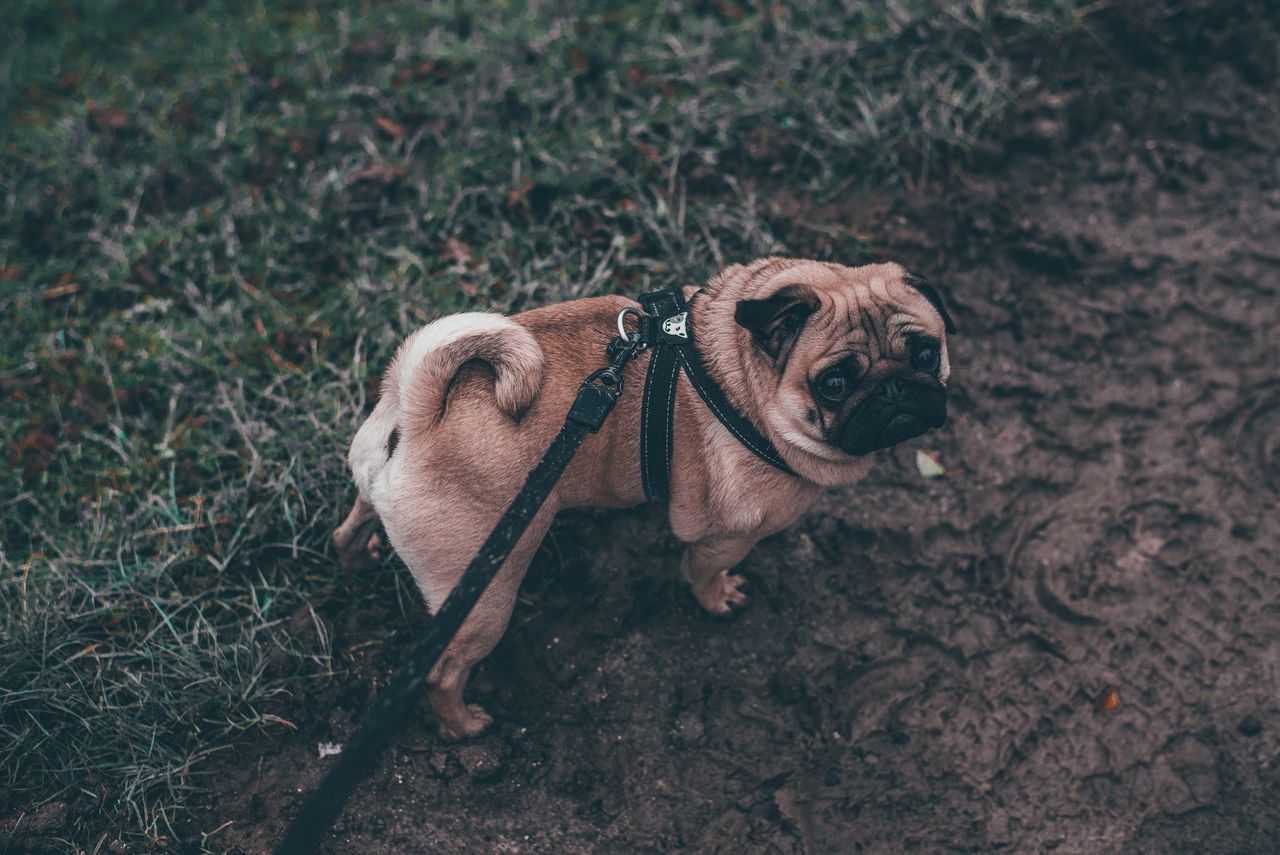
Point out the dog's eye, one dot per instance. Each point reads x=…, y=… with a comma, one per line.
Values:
x=833, y=385
x=926, y=357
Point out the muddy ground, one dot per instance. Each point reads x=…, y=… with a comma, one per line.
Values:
x=924, y=663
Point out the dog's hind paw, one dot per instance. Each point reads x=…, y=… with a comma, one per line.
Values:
x=468, y=725
x=721, y=595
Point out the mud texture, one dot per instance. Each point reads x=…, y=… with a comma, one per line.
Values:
x=926, y=664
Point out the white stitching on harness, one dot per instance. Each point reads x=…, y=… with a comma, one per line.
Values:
x=644, y=421
x=671, y=422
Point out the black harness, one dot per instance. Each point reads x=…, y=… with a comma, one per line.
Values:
x=667, y=328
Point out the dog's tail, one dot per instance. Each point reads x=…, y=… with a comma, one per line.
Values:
x=427, y=362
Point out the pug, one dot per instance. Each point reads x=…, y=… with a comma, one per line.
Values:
x=830, y=363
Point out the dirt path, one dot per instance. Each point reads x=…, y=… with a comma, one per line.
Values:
x=922, y=664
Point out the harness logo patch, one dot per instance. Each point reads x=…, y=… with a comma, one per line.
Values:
x=676, y=325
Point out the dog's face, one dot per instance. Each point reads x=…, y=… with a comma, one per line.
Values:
x=859, y=355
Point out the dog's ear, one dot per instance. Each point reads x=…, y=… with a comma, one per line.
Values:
x=775, y=321
x=931, y=294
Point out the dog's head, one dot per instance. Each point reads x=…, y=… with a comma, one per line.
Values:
x=848, y=360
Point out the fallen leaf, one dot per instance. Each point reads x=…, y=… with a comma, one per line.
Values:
x=141, y=273
x=517, y=195
x=93, y=401
x=69, y=81
x=34, y=451
x=391, y=127
x=456, y=250
x=108, y=119
x=649, y=152
x=402, y=76
x=928, y=465
x=380, y=173
x=1110, y=700
x=61, y=290
x=11, y=274
x=85, y=651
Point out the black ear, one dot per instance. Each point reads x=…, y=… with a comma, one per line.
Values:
x=931, y=294
x=775, y=322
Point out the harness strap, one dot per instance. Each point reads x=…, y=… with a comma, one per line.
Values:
x=658, y=408
x=670, y=335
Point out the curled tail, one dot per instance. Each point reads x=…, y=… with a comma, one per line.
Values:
x=426, y=363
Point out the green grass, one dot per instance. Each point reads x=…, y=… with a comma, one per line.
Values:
x=217, y=223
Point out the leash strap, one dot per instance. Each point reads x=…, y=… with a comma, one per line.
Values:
x=596, y=399
x=670, y=333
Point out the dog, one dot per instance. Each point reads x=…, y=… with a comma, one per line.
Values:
x=829, y=362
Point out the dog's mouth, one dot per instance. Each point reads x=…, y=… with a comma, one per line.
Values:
x=898, y=410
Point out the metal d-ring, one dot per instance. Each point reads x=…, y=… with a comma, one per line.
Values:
x=622, y=316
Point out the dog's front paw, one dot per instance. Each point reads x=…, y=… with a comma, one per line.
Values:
x=720, y=595
x=472, y=722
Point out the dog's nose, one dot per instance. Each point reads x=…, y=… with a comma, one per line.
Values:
x=891, y=390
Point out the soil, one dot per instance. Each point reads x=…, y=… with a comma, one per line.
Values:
x=1070, y=642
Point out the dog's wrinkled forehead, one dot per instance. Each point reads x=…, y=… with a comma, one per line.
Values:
x=866, y=299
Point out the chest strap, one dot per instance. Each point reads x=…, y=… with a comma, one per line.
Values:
x=670, y=337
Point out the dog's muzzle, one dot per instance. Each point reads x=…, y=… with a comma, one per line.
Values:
x=896, y=411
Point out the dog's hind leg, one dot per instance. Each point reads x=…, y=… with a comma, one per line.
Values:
x=357, y=541
x=477, y=638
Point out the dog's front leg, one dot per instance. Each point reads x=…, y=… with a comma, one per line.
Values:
x=706, y=566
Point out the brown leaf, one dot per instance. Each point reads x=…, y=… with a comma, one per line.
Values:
x=34, y=451
x=456, y=250
x=108, y=119
x=94, y=401
x=517, y=195
x=579, y=60
x=61, y=290
x=69, y=81
x=142, y=273
x=420, y=71
x=391, y=127
x=1110, y=700
x=11, y=274
x=649, y=152
x=380, y=173
x=304, y=144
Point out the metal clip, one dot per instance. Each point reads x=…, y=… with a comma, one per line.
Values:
x=600, y=391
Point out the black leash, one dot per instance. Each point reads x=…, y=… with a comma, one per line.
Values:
x=669, y=328
x=596, y=399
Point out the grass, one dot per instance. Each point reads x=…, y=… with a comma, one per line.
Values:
x=219, y=219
